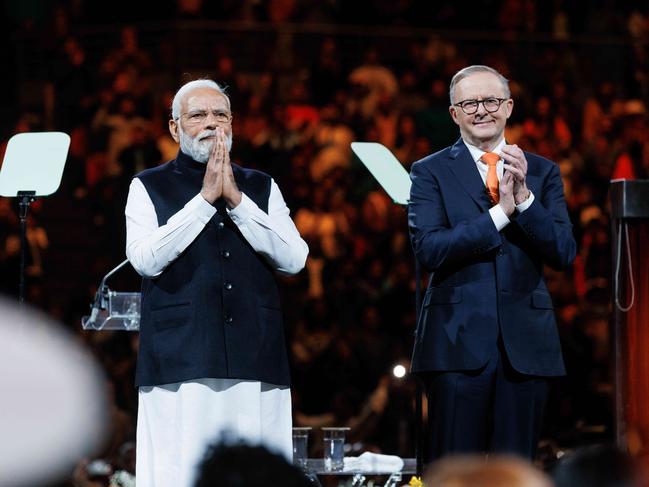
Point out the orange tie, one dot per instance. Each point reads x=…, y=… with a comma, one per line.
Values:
x=492, y=178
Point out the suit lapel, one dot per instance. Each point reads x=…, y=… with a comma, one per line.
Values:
x=463, y=167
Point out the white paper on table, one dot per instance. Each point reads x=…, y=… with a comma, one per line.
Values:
x=374, y=462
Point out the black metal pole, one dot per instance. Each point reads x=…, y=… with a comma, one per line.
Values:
x=25, y=199
x=419, y=424
x=23, y=245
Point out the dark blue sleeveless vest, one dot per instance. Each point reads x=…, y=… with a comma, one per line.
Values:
x=214, y=312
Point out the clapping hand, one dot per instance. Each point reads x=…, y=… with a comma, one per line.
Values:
x=516, y=164
x=506, y=190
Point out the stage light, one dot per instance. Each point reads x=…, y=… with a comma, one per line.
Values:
x=399, y=371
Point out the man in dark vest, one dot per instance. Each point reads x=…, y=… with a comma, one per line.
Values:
x=207, y=236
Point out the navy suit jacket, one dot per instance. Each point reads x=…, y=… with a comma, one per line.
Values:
x=485, y=282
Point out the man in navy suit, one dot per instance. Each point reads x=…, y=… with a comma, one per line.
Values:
x=485, y=217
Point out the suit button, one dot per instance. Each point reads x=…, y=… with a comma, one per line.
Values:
x=225, y=254
x=500, y=252
x=228, y=285
x=228, y=319
x=221, y=225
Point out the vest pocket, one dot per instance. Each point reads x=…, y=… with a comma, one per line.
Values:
x=172, y=315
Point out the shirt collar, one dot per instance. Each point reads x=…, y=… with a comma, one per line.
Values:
x=477, y=153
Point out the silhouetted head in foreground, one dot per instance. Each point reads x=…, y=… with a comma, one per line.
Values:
x=476, y=471
x=597, y=466
x=241, y=465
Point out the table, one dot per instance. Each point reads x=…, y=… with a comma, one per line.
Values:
x=315, y=468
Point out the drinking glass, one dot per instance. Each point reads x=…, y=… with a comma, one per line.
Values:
x=300, y=446
x=334, y=443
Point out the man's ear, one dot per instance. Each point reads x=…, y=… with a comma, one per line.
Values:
x=453, y=111
x=509, y=107
x=173, y=130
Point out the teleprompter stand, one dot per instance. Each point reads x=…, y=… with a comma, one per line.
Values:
x=394, y=179
x=32, y=167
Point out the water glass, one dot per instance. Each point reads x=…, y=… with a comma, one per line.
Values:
x=334, y=444
x=300, y=446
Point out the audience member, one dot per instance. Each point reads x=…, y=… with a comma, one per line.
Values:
x=475, y=471
x=241, y=465
x=597, y=466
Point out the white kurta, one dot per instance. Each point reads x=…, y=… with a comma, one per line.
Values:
x=176, y=422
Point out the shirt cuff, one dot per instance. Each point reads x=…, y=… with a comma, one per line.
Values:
x=201, y=208
x=526, y=204
x=499, y=217
x=243, y=210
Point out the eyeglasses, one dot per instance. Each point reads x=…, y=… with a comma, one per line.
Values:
x=197, y=117
x=471, y=106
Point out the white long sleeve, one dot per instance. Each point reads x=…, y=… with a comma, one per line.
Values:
x=273, y=235
x=150, y=248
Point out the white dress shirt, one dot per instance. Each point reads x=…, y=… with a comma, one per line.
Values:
x=498, y=215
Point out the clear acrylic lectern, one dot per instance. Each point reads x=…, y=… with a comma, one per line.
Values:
x=112, y=310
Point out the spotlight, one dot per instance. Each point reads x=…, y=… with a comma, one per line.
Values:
x=399, y=371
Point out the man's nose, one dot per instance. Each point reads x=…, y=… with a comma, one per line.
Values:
x=481, y=109
x=210, y=122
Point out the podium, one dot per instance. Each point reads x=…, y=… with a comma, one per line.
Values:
x=630, y=234
x=113, y=310
x=122, y=312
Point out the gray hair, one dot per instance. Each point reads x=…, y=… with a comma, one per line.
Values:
x=187, y=87
x=476, y=68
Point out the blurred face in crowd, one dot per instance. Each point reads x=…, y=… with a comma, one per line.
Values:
x=485, y=127
x=472, y=470
x=202, y=111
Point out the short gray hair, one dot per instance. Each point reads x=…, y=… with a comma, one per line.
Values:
x=476, y=68
x=187, y=87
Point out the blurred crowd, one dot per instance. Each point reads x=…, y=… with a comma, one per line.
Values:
x=299, y=96
x=591, y=466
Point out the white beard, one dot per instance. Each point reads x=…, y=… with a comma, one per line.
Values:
x=198, y=149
